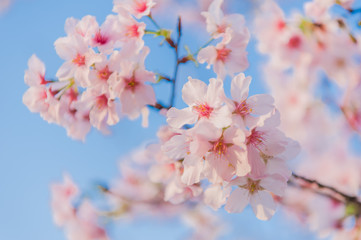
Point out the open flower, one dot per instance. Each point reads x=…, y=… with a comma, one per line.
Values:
x=257, y=193
x=204, y=102
x=229, y=56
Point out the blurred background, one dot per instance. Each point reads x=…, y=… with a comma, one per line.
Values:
x=33, y=153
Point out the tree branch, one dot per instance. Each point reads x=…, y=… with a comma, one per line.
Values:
x=332, y=192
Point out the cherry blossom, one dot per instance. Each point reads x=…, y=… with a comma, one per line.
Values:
x=245, y=110
x=102, y=108
x=257, y=193
x=130, y=85
x=63, y=195
x=78, y=58
x=138, y=8
x=229, y=56
x=205, y=102
x=217, y=22
x=35, y=75
x=221, y=149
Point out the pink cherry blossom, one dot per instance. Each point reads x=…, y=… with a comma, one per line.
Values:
x=62, y=197
x=106, y=36
x=85, y=226
x=257, y=193
x=78, y=58
x=229, y=56
x=35, y=75
x=217, y=22
x=246, y=109
x=138, y=8
x=270, y=23
x=204, y=102
x=75, y=120
x=222, y=150
x=130, y=85
x=84, y=28
x=131, y=33
x=265, y=142
x=177, y=192
x=104, y=71
x=35, y=99
x=102, y=108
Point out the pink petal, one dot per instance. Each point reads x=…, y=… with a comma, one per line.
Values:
x=177, y=147
x=177, y=118
x=215, y=92
x=215, y=196
x=207, y=54
x=275, y=184
x=192, y=173
x=194, y=92
x=240, y=87
x=261, y=103
x=221, y=117
x=237, y=201
x=263, y=205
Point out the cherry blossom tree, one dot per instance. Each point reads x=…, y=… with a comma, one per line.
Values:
x=289, y=149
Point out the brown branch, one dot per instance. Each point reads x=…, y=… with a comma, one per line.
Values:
x=179, y=30
x=356, y=10
x=175, y=45
x=158, y=106
x=345, y=198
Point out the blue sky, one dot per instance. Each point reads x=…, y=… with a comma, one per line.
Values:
x=34, y=153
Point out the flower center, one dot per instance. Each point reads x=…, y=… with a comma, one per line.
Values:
x=253, y=186
x=104, y=73
x=73, y=95
x=221, y=28
x=42, y=79
x=280, y=24
x=219, y=147
x=223, y=53
x=101, y=101
x=256, y=138
x=79, y=60
x=140, y=6
x=294, y=42
x=132, y=31
x=131, y=83
x=204, y=110
x=242, y=109
x=100, y=38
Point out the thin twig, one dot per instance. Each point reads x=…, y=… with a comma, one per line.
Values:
x=356, y=10
x=158, y=106
x=179, y=28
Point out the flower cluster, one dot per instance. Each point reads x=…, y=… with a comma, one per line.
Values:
x=219, y=150
x=234, y=143
x=137, y=193
x=309, y=42
x=315, y=56
x=79, y=222
x=229, y=56
x=103, y=76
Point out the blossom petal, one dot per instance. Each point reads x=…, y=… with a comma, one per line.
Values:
x=177, y=118
x=263, y=205
x=275, y=184
x=240, y=87
x=237, y=201
x=193, y=91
